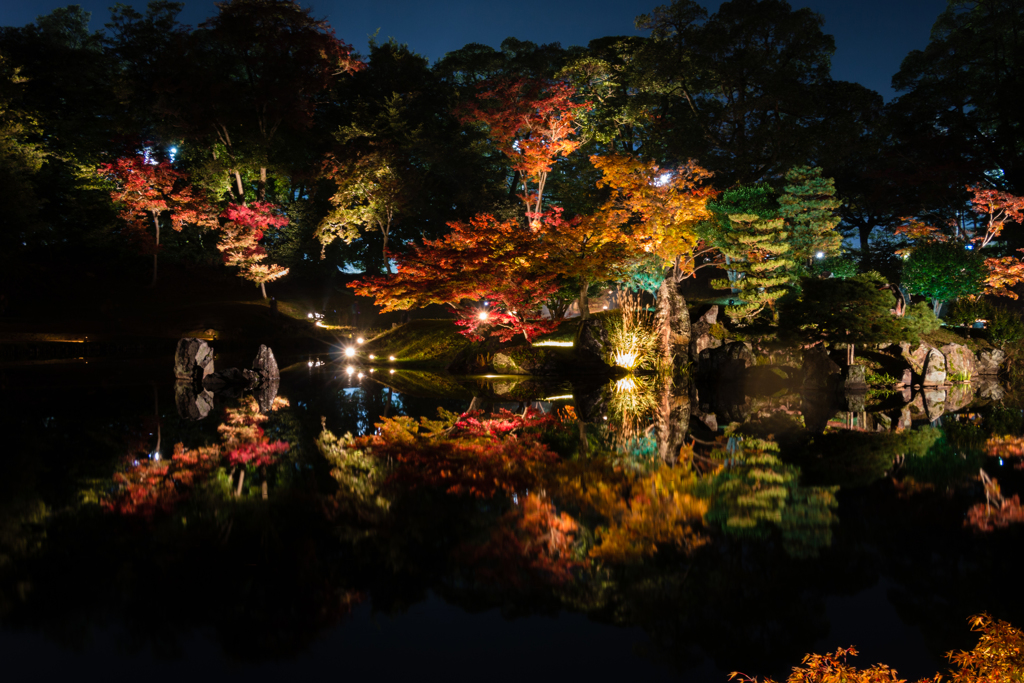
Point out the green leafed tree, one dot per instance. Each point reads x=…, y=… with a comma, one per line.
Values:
x=857, y=310
x=808, y=205
x=943, y=271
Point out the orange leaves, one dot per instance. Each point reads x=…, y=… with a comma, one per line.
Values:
x=659, y=208
x=532, y=543
x=240, y=237
x=1003, y=274
x=476, y=456
x=659, y=509
x=998, y=208
x=530, y=120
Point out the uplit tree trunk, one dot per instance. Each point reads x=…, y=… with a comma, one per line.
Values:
x=263, y=289
x=241, y=478
x=672, y=322
x=584, y=300
x=156, y=249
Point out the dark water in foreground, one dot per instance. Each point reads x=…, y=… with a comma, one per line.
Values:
x=854, y=534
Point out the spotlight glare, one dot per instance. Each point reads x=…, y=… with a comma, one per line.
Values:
x=350, y=352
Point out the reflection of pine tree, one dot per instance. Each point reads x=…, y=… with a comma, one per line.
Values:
x=755, y=490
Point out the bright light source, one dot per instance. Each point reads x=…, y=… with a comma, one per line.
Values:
x=360, y=375
x=309, y=315
x=349, y=370
x=487, y=303
x=969, y=247
x=820, y=254
x=350, y=352
x=310, y=363
x=372, y=356
x=482, y=315
x=392, y=372
x=360, y=340
x=373, y=370
x=391, y=357
x=605, y=308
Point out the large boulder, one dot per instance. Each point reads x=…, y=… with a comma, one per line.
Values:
x=989, y=361
x=700, y=332
x=934, y=369
x=915, y=356
x=191, y=405
x=855, y=378
x=818, y=368
x=265, y=365
x=934, y=403
x=193, y=360
x=960, y=362
x=959, y=396
x=726, y=362
x=672, y=320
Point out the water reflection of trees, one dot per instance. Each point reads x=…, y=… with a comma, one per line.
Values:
x=705, y=542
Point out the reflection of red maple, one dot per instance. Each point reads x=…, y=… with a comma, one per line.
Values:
x=148, y=487
x=477, y=456
x=532, y=543
x=151, y=487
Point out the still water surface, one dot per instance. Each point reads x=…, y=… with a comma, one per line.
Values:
x=870, y=547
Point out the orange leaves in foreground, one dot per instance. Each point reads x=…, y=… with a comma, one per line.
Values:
x=997, y=658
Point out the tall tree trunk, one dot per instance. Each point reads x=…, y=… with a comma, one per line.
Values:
x=263, y=289
x=156, y=250
x=241, y=478
x=261, y=191
x=387, y=261
x=238, y=186
x=672, y=321
x=584, y=300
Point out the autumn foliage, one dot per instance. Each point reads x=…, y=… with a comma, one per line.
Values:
x=530, y=120
x=240, y=240
x=480, y=260
x=147, y=487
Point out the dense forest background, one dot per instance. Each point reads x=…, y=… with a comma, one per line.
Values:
x=262, y=106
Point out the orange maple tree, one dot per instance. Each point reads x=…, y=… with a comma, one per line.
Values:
x=658, y=208
x=240, y=241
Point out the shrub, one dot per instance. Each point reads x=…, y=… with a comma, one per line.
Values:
x=632, y=340
x=1005, y=328
x=920, y=319
x=967, y=309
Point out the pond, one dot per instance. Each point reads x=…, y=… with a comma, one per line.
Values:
x=622, y=528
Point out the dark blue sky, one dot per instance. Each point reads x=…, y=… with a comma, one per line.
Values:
x=872, y=36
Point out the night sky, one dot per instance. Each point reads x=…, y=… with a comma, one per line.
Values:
x=872, y=36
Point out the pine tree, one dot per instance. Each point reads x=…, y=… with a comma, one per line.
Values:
x=757, y=248
x=807, y=205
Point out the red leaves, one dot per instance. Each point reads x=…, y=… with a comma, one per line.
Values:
x=148, y=487
x=147, y=191
x=483, y=260
x=998, y=208
x=478, y=457
x=240, y=238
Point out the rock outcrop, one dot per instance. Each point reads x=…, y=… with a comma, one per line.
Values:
x=193, y=360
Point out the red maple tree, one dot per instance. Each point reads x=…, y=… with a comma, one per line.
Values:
x=530, y=120
x=240, y=241
x=492, y=273
x=149, y=192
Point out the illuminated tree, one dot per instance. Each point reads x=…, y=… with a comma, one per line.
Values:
x=530, y=121
x=481, y=260
x=758, y=251
x=240, y=241
x=943, y=271
x=808, y=205
x=149, y=191
x=371, y=191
